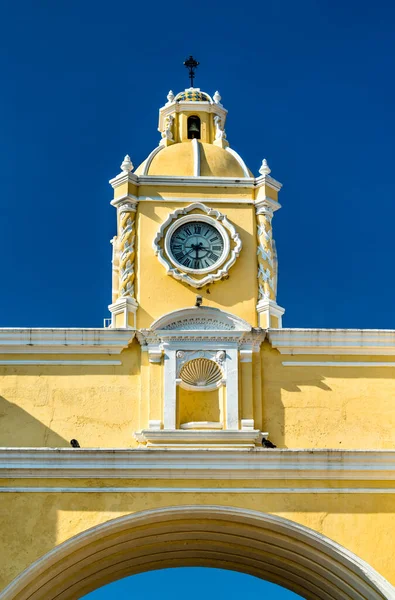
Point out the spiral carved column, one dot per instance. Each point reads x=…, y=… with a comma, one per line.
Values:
x=127, y=236
x=266, y=266
x=269, y=313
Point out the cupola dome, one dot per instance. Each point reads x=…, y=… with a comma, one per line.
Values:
x=193, y=139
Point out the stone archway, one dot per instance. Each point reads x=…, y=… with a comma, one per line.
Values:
x=266, y=546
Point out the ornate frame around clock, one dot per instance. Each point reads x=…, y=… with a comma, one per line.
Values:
x=159, y=244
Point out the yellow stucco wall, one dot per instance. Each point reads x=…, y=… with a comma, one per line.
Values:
x=49, y=405
x=328, y=407
x=358, y=522
x=237, y=294
x=300, y=407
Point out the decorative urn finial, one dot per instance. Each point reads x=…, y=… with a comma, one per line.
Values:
x=127, y=165
x=170, y=96
x=265, y=169
x=217, y=98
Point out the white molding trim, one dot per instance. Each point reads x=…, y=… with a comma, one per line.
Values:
x=320, y=567
x=198, y=438
x=218, y=219
x=194, y=490
x=241, y=464
x=268, y=308
x=263, y=204
x=239, y=160
x=130, y=198
x=125, y=305
x=269, y=181
x=150, y=158
x=201, y=320
x=164, y=198
x=64, y=341
x=332, y=363
x=202, y=181
x=375, y=342
x=50, y=363
x=192, y=181
x=196, y=157
x=202, y=425
x=122, y=178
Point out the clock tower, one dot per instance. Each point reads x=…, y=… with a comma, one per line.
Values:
x=192, y=218
x=195, y=274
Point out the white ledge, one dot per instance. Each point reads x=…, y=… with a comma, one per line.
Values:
x=374, y=342
x=64, y=341
x=196, y=181
x=240, y=464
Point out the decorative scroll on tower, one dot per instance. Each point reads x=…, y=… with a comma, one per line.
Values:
x=127, y=216
x=266, y=271
x=268, y=310
x=124, y=303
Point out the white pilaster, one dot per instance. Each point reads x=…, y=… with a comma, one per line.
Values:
x=232, y=390
x=126, y=307
x=170, y=389
x=267, y=309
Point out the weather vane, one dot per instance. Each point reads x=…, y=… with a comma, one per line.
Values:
x=191, y=64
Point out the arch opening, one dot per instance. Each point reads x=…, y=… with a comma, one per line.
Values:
x=195, y=583
x=266, y=546
x=193, y=127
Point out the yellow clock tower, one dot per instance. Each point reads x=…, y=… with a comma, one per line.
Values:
x=207, y=218
x=194, y=430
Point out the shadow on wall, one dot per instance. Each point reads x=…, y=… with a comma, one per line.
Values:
x=18, y=428
x=326, y=406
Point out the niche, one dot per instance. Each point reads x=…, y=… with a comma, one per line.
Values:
x=193, y=126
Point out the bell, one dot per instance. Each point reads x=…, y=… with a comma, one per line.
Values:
x=193, y=130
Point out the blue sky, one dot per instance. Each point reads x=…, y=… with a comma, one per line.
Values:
x=309, y=85
x=193, y=583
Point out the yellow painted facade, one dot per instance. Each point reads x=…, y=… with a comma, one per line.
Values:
x=154, y=440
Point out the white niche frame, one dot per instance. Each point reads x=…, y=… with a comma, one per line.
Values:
x=215, y=218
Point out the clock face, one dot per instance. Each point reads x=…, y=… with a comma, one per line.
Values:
x=197, y=246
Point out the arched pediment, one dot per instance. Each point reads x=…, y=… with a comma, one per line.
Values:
x=202, y=318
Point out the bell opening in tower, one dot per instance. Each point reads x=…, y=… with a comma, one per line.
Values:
x=193, y=127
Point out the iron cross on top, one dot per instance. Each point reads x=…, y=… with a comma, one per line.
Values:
x=191, y=64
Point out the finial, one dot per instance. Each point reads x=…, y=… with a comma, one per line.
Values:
x=191, y=64
x=170, y=96
x=265, y=169
x=199, y=301
x=217, y=98
x=127, y=164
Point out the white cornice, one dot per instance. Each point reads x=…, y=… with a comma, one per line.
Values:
x=267, y=202
x=215, y=464
x=123, y=199
x=269, y=181
x=195, y=181
x=172, y=180
x=64, y=341
x=122, y=178
x=164, y=198
x=374, y=342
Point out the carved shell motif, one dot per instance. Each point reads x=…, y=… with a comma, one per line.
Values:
x=201, y=372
